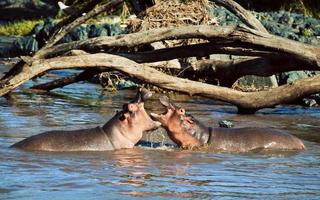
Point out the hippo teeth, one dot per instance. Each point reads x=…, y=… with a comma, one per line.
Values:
x=154, y=115
x=157, y=123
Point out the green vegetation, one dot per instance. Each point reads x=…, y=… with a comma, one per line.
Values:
x=307, y=32
x=20, y=28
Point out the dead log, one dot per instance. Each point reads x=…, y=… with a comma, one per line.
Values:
x=247, y=18
x=242, y=35
x=245, y=101
x=228, y=72
x=89, y=73
x=83, y=76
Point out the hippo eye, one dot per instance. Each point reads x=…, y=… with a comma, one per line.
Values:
x=122, y=117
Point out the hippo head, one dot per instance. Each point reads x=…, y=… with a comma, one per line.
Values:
x=131, y=121
x=182, y=128
x=134, y=115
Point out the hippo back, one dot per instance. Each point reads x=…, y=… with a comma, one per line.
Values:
x=77, y=140
x=251, y=139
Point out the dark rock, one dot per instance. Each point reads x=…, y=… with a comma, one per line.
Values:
x=43, y=34
x=25, y=46
x=66, y=39
x=27, y=9
x=286, y=19
x=6, y=45
x=289, y=77
x=309, y=102
x=115, y=29
x=98, y=30
x=37, y=28
x=79, y=33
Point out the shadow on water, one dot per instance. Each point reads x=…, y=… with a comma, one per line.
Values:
x=155, y=168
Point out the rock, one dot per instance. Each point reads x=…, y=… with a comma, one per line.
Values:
x=27, y=9
x=252, y=82
x=79, y=33
x=42, y=32
x=37, y=28
x=6, y=45
x=97, y=30
x=25, y=46
x=126, y=84
x=289, y=77
x=309, y=102
x=66, y=39
x=115, y=29
x=225, y=124
x=286, y=19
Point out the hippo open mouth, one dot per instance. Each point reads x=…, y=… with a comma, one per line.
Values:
x=136, y=108
x=168, y=105
x=182, y=128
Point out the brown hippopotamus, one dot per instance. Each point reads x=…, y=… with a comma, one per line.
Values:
x=188, y=132
x=124, y=130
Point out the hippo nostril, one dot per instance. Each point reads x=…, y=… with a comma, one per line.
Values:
x=125, y=108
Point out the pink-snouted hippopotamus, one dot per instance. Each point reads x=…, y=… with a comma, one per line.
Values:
x=187, y=132
x=124, y=130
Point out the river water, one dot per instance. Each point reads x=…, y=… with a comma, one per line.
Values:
x=157, y=172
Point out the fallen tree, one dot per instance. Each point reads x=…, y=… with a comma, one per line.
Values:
x=246, y=101
x=266, y=54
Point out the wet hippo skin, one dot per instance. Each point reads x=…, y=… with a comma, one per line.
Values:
x=186, y=131
x=124, y=130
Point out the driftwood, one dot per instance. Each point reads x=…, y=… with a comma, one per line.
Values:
x=242, y=37
x=246, y=101
x=89, y=73
x=267, y=54
x=228, y=72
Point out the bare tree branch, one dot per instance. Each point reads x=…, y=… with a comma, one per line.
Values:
x=85, y=75
x=227, y=72
x=307, y=53
x=77, y=21
x=246, y=101
x=245, y=16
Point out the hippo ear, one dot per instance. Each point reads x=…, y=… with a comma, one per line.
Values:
x=138, y=96
x=142, y=95
x=145, y=94
x=164, y=100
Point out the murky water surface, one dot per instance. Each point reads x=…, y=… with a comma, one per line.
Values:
x=145, y=172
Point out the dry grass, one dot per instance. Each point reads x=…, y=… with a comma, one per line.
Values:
x=172, y=14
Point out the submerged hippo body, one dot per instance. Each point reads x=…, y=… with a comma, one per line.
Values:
x=186, y=131
x=124, y=130
x=252, y=139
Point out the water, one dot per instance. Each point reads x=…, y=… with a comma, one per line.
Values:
x=144, y=172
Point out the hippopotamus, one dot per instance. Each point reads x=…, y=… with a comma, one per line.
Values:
x=188, y=132
x=123, y=130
